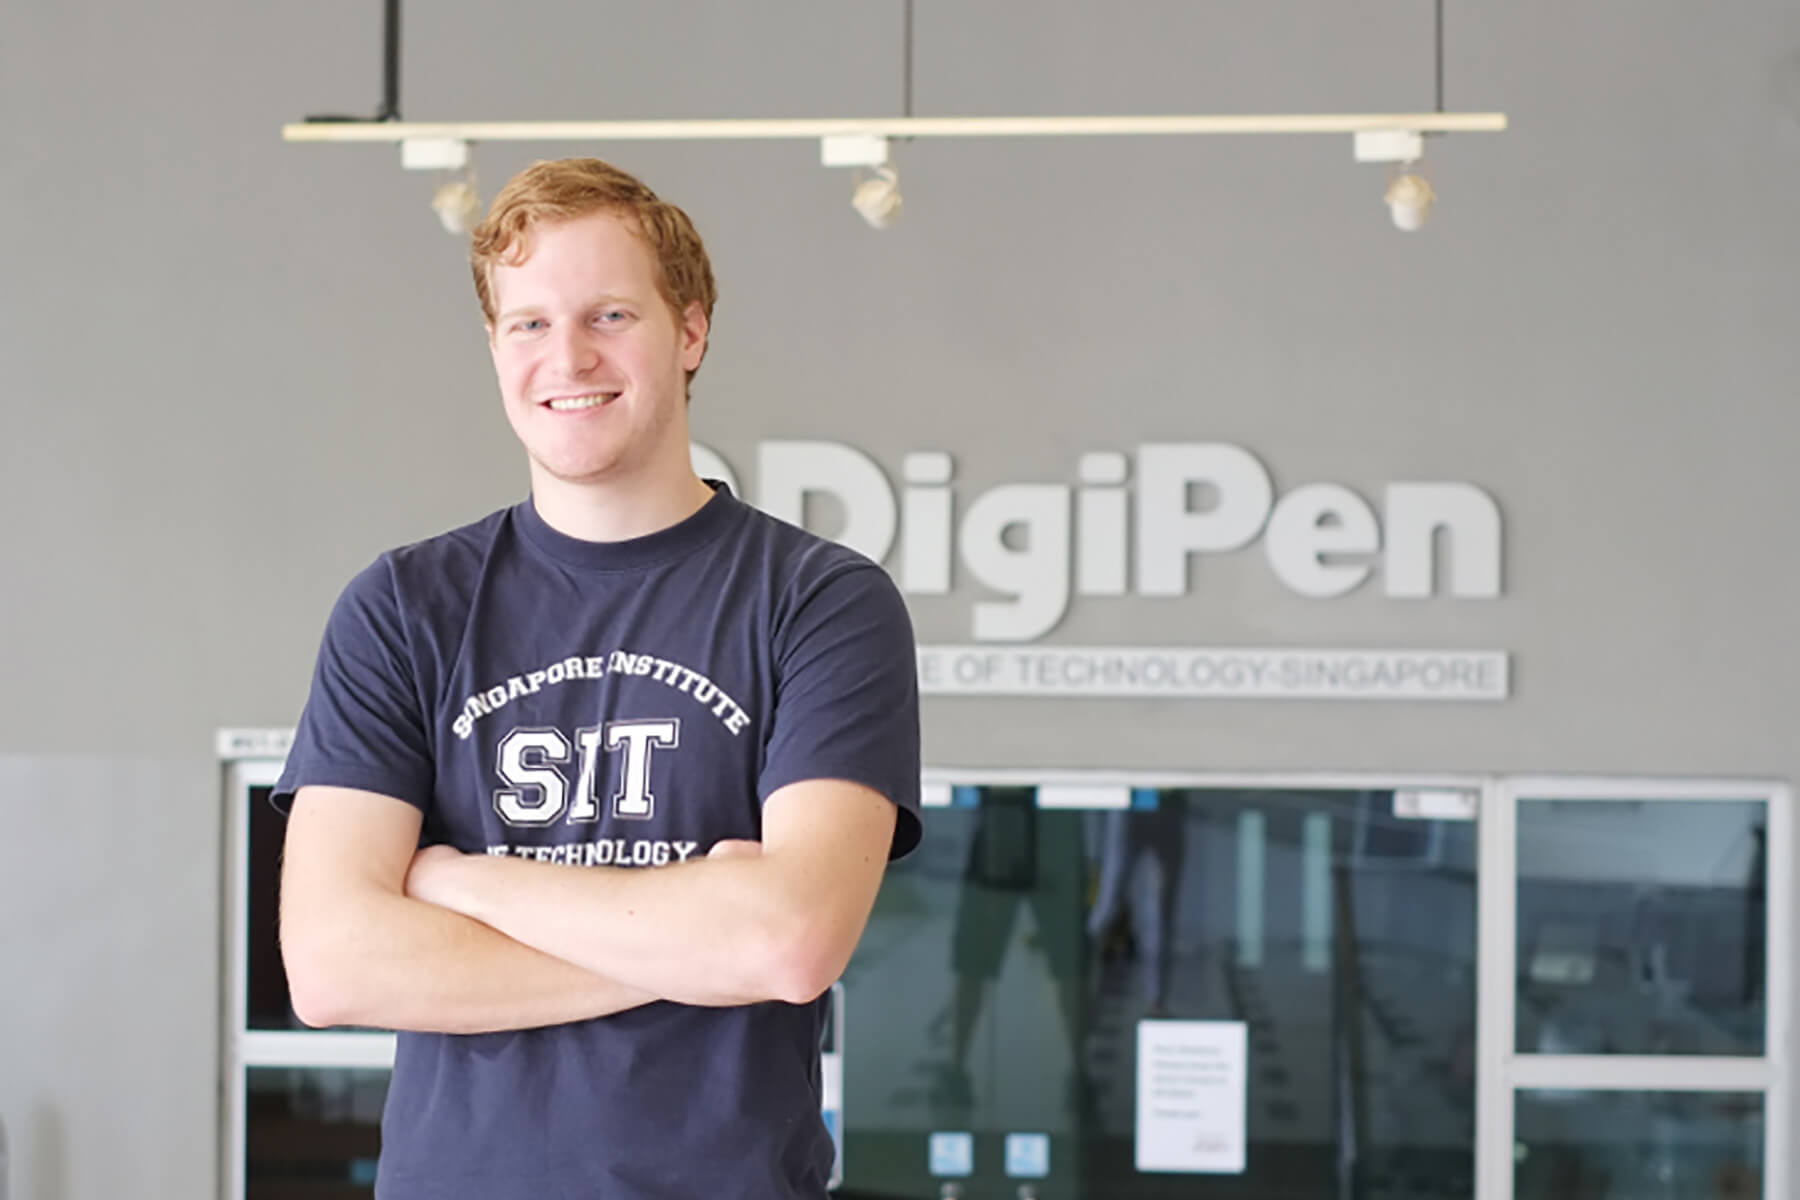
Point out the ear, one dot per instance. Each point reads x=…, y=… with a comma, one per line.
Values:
x=694, y=331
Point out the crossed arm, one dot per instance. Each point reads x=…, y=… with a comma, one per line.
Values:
x=375, y=934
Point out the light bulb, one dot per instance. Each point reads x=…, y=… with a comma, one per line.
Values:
x=877, y=197
x=1409, y=199
x=458, y=206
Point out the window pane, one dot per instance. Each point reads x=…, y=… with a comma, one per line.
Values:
x=1576, y=1145
x=312, y=1133
x=1007, y=965
x=266, y=1002
x=1641, y=927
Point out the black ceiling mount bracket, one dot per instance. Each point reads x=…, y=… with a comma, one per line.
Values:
x=390, y=70
x=1438, y=58
x=907, y=63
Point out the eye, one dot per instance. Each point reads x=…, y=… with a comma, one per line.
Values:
x=528, y=325
x=612, y=316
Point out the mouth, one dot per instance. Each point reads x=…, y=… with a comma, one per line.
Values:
x=578, y=403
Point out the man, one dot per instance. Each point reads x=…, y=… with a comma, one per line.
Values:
x=657, y=747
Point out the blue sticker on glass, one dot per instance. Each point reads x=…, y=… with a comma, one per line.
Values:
x=1028, y=1155
x=834, y=1125
x=952, y=1154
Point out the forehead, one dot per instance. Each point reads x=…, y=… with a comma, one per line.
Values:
x=598, y=252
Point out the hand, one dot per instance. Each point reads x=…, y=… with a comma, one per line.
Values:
x=429, y=877
x=735, y=848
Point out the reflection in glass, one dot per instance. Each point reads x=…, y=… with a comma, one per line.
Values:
x=1002, y=977
x=312, y=1133
x=1019, y=861
x=1641, y=927
x=1638, y=1146
x=1141, y=856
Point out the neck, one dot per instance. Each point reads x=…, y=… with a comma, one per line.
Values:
x=601, y=512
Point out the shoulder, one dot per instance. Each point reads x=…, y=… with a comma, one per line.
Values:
x=435, y=571
x=825, y=596
x=410, y=582
x=465, y=547
x=816, y=585
x=802, y=562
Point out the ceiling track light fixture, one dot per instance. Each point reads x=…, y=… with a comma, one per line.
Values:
x=457, y=201
x=864, y=142
x=1409, y=195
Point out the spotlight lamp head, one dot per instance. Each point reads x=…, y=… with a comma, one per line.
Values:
x=877, y=196
x=1409, y=198
x=458, y=206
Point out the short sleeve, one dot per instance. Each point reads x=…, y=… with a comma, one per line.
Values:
x=362, y=726
x=847, y=695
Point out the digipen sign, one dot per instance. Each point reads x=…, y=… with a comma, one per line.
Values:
x=1037, y=544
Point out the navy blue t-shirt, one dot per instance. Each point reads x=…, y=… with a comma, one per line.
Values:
x=617, y=704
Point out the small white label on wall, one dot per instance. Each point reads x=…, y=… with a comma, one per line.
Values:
x=1436, y=804
x=1223, y=672
x=1191, y=1089
x=1063, y=795
x=934, y=795
x=253, y=743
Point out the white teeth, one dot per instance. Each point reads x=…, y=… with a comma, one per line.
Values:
x=572, y=403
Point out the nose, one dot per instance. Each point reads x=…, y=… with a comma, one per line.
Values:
x=573, y=350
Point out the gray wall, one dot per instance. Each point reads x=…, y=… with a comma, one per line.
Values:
x=236, y=369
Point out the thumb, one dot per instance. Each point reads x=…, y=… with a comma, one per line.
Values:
x=735, y=848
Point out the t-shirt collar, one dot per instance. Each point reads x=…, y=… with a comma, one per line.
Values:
x=665, y=545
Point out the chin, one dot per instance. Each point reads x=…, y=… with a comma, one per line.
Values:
x=581, y=470
x=582, y=474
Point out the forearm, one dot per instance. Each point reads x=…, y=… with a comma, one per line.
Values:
x=392, y=962
x=751, y=922
x=709, y=932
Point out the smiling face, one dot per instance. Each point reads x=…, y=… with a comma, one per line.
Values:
x=592, y=361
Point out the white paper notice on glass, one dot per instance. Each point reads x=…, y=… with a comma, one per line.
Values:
x=1191, y=1089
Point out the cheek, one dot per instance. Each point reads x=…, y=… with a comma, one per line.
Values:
x=513, y=372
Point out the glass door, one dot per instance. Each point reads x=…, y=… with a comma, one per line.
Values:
x=1637, y=988
x=303, y=1106
x=1316, y=936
